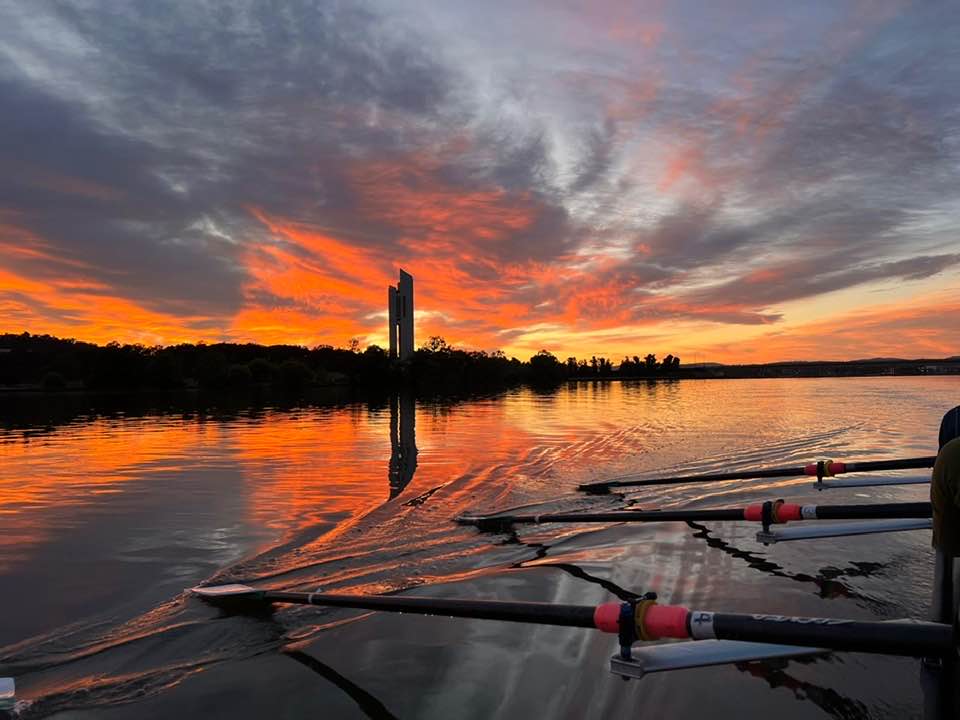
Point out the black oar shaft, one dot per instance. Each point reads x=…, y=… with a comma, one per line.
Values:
x=531, y=612
x=781, y=472
x=879, y=511
x=897, y=638
x=903, y=464
x=627, y=516
x=780, y=513
x=890, y=638
x=711, y=477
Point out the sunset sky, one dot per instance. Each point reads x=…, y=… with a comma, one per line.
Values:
x=724, y=181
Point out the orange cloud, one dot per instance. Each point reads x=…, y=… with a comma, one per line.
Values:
x=66, y=302
x=432, y=215
x=477, y=282
x=924, y=326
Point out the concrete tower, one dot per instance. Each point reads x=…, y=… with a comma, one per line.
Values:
x=392, y=319
x=400, y=317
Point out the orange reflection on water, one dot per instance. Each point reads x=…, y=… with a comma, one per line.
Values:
x=47, y=480
x=308, y=475
x=303, y=468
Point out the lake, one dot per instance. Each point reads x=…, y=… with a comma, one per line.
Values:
x=108, y=516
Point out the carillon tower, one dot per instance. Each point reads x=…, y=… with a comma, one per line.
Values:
x=400, y=314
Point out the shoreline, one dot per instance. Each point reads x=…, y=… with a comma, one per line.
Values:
x=776, y=371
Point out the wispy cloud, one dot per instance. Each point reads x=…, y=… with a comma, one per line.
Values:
x=553, y=174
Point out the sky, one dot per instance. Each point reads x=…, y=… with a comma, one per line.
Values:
x=727, y=182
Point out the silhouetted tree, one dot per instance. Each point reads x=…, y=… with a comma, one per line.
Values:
x=545, y=369
x=262, y=370
x=375, y=369
x=239, y=376
x=436, y=344
x=294, y=375
x=437, y=366
x=53, y=381
x=164, y=371
x=211, y=370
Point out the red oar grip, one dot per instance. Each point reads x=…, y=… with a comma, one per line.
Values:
x=658, y=621
x=607, y=617
x=781, y=512
x=666, y=621
x=789, y=511
x=829, y=468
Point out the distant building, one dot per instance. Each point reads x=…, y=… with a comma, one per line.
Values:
x=400, y=316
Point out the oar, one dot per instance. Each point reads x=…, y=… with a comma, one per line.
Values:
x=530, y=612
x=768, y=513
x=641, y=620
x=823, y=468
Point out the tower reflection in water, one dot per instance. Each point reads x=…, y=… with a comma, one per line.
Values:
x=403, y=442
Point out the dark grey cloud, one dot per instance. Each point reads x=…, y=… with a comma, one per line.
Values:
x=137, y=137
x=829, y=173
x=205, y=113
x=92, y=199
x=808, y=278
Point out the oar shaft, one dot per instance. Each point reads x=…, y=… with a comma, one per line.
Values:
x=640, y=620
x=828, y=468
x=779, y=512
x=879, y=511
x=531, y=612
x=619, y=516
x=904, y=464
x=892, y=638
x=682, y=479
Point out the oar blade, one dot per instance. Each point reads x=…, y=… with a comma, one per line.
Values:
x=226, y=592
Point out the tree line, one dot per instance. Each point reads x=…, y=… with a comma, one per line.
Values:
x=51, y=363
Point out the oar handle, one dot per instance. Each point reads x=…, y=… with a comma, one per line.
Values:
x=919, y=639
x=781, y=512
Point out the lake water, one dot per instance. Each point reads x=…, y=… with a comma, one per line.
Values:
x=107, y=517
